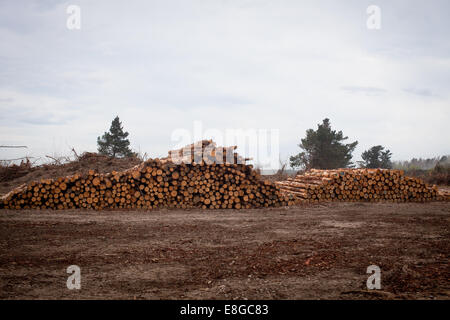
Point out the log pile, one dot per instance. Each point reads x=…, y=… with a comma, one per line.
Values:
x=444, y=194
x=358, y=185
x=206, y=151
x=156, y=183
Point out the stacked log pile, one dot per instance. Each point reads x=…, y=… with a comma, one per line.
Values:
x=444, y=194
x=206, y=151
x=358, y=185
x=156, y=183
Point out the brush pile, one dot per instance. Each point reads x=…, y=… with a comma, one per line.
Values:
x=358, y=185
x=200, y=175
x=14, y=171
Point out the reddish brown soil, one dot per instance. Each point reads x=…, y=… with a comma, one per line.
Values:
x=315, y=252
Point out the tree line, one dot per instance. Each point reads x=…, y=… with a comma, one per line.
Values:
x=326, y=148
x=323, y=148
x=423, y=164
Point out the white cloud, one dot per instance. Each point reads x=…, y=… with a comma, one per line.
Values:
x=232, y=64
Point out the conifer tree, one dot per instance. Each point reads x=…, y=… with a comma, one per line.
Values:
x=375, y=157
x=324, y=149
x=115, y=143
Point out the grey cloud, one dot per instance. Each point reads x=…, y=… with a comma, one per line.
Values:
x=364, y=90
x=231, y=63
x=419, y=92
x=185, y=100
x=29, y=117
x=42, y=120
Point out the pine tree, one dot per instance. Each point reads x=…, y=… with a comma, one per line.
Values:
x=115, y=143
x=375, y=157
x=323, y=149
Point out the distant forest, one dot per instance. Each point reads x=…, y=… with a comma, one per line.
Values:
x=422, y=164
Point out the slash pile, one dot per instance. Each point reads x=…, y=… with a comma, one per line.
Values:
x=157, y=183
x=358, y=185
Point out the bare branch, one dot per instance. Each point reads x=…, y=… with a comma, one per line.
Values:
x=54, y=159
x=76, y=154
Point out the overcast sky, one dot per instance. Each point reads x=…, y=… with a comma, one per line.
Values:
x=161, y=65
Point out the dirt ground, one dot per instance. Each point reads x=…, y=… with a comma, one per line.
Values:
x=310, y=252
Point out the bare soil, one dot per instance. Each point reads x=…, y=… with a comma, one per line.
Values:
x=310, y=252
